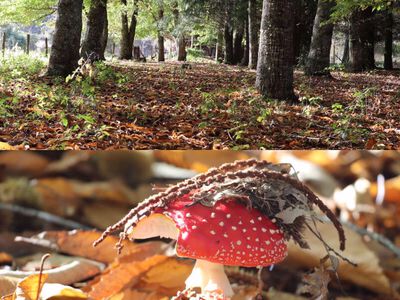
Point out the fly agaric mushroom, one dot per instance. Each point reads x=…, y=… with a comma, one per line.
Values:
x=239, y=214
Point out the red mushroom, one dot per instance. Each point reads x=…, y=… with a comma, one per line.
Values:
x=239, y=214
x=225, y=234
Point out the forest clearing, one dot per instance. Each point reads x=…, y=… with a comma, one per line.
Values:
x=130, y=105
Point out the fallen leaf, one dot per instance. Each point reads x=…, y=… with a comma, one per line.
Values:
x=5, y=146
x=80, y=243
x=368, y=273
x=123, y=273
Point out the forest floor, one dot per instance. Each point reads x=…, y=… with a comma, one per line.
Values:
x=126, y=105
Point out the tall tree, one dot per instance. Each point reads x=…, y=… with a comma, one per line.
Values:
x=388, y=34
x=228, y=33
x=254, y=30
x=275, y=58
x=238, y=49
x=93, y=43
x=179, y=32
x=318, y=59
x=362, y=40
x=160, y=33
x=128, y=29
x=64, y=54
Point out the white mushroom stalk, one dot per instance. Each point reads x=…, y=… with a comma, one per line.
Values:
x=210, y=277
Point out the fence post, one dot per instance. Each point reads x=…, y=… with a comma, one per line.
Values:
x=4, y=44
x=46, y=44
x=28, y=43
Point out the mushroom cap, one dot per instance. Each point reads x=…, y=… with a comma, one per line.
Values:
x=227, y=233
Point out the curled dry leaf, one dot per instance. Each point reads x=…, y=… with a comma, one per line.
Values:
x=8, y=285
x=76, y=270
x=368, y=273
x=79, y=243
x=121, y=274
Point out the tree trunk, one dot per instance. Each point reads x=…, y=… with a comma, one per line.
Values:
x=275, y=58
x=180, y=38
x=254, y=29
x=246, y=53
x=238, y=44
x=388, y=63
x=161, y=50
x=64, y=54
x=304, y=16
x=161, y=54
x=318, y=59
x=228, y=37
x=346, y=50
x=128, y=32
x=104, y=37
x=181, y=48
x=362, y=39
x=92, y=46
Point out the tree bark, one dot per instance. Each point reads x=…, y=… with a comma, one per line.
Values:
x=104, y=37
x=246, y=53
x=254, y=29
x=318, y=59
x=128, y=31
x=179, y=36
x=275, y=58
x=228, y=38
x=67, y=37
x=93, y=44
x=238, y=44
x=362, y=40
x=161, y=49
x=388, y=63
x=346, y=50
x=304, y=16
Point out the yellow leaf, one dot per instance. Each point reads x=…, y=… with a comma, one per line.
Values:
x=54, y=291
x=5, y=146
x=29, y=287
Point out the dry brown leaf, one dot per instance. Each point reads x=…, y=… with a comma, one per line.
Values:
x=120, y=275
x=57, y=196
x=102, y=215
x=79, y=243
x=5, y=258
x=22, y=163
x=167, y=277
x=199, y=161
x=368, y=274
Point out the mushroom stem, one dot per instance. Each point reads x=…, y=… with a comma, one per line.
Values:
x=210, y=277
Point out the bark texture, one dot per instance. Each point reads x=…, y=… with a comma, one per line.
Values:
x=128, y=31
x=93, y=44
x=362, y=40
x=275, y=58
x=238, y=49
x=346, y=50
x=246, y=53
x=318, y=59
x=160, y=37
x=388, y=63
x=228, y=38
x=104, y=38
x=254, y=29
x=67, y=37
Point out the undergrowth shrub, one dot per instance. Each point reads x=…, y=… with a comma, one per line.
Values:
x=17, y=65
